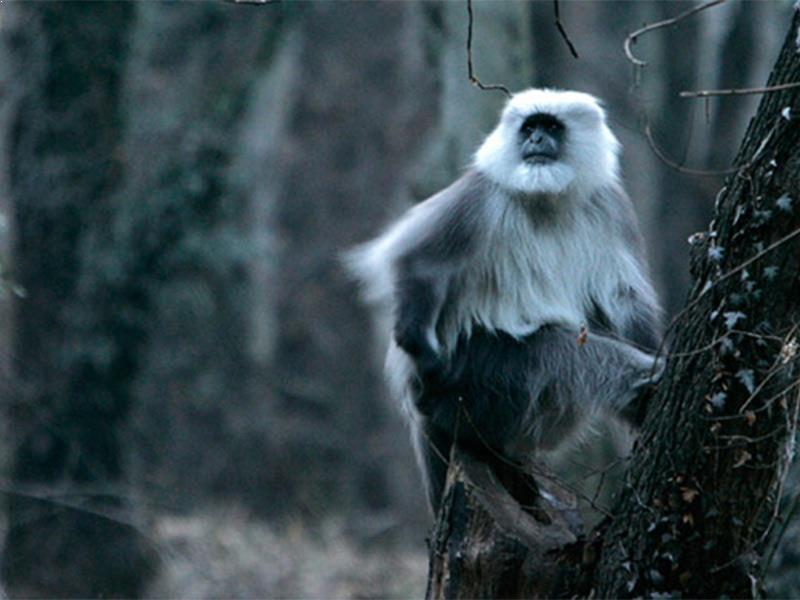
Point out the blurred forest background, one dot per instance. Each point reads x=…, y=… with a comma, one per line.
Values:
x=192, y=394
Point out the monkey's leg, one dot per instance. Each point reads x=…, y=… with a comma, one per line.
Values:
x=503, y=397
x=483, y=392
x=419, y=300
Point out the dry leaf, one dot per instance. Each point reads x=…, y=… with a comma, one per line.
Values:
x=741, y=458
x=689, y=494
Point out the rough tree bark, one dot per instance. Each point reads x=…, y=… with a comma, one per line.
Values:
x=500, y=532
x=705, y=477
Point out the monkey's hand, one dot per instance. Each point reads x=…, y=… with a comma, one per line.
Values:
x=413, y=341
x=644, y=390
x=430, y=382
x=636, y=410
x=430, y=366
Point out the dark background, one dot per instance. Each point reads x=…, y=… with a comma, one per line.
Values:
x=187, y=375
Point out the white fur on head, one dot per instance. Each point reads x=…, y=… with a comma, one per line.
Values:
x=589, y=154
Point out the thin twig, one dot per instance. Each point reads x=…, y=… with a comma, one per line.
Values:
x=700, y=172
x=473, y=79
x=433, y=447
x=107, y=514
x=631, y=39
x=775, y=368
x=532, y=466
x=766, y=404
x=648, y=133
x=562, y=31
x=738, y=269
x=739, y=91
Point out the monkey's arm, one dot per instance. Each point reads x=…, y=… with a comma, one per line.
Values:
x=426, y=268
x=512, y=397
x=599, y=374
x=535, y=390
x=419, y=299
x=633, y=314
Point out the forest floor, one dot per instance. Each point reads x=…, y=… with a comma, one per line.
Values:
x=229, y=554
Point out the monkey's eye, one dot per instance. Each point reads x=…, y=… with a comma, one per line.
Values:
x=542, y=121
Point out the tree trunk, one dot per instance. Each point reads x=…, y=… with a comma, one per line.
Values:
x=490, y=543
x=710, y=465
x=74, y=357
x=344, y=154
x=712, y=457
x=182, y=218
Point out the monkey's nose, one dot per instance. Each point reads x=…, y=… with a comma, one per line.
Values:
x=539, y=146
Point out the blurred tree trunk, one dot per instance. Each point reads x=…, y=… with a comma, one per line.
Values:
x=783, y=576
x=501, y=49
x=184, y=224
x=706, y=477
x=345, y=152
x=680, y=194
x=722, y=48
x=342, y=160
x=75, y=354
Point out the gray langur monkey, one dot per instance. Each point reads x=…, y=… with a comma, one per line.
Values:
x=491, y=282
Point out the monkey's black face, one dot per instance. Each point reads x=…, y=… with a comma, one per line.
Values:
x=541, y=138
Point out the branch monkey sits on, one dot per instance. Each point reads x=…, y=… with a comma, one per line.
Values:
x=491, y=280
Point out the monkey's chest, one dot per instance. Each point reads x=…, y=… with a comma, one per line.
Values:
x=526, y=281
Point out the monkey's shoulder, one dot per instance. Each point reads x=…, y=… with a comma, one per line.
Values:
x=448, y=225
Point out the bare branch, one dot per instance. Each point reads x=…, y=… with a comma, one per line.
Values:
x=773, y=370
x=473, y=79
x=739, y=91
x=703, y=173
x=648, y=133
x=631, y=39
x=562, y=31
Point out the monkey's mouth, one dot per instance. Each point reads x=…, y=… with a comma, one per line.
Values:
x=539, y=157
